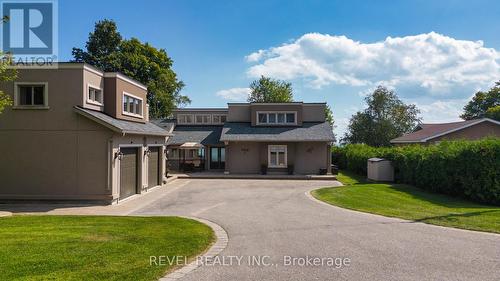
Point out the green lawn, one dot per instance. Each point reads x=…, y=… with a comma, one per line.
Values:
x=95, y=247
x=350, y=178
x=408, y=202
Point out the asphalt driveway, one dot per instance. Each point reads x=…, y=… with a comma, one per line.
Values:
x=275, y=222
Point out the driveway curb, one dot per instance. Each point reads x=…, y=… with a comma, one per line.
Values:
x=5, y=214
x=217, y=248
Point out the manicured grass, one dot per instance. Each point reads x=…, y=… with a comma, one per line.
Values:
x=95, y=248
x=408, y=202
x=350, y=178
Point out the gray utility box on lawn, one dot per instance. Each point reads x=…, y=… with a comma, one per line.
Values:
x=380, y=169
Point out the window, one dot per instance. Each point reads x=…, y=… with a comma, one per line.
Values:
x=94, y=95
x=184, y=118
x=132, y=105
x=218, y=119
x=31, y=95
x=277, y=156
x=203, y=118
x=277, y=118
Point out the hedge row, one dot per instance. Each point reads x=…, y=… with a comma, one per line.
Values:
x=468, y=169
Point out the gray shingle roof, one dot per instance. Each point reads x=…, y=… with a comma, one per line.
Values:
x=206, y=135
x=166, y=124
x=122, y=126
x=309, y=131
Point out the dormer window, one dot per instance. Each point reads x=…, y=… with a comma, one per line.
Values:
x=203, y=118
x=132, y=105
x=94, y=95
x=276, y=118
x=184, y=119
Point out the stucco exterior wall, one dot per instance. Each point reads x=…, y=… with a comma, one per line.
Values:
x=313, y=112
x=55, y=164
x=247, y=157
x=479, y=131
x=95, y=80
x=238, y=113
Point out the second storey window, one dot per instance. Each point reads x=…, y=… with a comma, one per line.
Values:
x=95, y=95
x=31, y=95
x=185, y=119
x=132, y=105
x=219, y=119
x=203, y=119
x=277, y=118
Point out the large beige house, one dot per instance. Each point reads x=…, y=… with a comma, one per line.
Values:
x=251, y=138
x=78, y=133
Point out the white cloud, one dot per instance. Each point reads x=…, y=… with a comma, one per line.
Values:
x=234, y=94
x=417, y=65
x=441, y=111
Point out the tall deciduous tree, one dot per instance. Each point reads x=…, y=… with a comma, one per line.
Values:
x=493, y=113
x=107, y=50
x=385, y=118
x=6, y=74
x=481, y=102
x=270, y=90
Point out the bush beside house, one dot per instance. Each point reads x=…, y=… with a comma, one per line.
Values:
x=468, y=169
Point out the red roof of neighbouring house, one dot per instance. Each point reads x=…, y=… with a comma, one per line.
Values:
x=426, y=132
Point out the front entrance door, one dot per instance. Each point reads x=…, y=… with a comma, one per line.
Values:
x=217, y=158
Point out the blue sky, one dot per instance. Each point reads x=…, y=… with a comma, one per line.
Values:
x=438, y=54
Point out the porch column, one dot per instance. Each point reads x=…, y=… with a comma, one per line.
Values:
x=226, y=160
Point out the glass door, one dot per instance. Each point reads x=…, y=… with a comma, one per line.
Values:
x=217, y=157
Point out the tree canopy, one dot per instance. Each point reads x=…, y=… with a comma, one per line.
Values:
x=6, y=74
x=385, y=118
x=270, y=90
x=107, y=50
x=493, y=113
x=481, y=102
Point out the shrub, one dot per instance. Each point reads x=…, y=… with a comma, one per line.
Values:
x=468, y=169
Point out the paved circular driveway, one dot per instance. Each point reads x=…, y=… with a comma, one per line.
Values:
x=272, y=220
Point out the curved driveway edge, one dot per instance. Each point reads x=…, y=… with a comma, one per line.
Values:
x=5, y=214
x=312, y=198
x=217, y=248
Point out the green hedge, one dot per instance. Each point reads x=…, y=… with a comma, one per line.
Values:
x=468, y=169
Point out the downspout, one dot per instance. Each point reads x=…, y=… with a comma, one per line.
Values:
x=109, y=186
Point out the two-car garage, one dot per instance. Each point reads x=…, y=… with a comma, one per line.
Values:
x=130, y=167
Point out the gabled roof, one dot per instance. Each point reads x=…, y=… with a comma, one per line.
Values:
x=430, y=131
x=121, y=126
x=309, y=131
x=205, y=135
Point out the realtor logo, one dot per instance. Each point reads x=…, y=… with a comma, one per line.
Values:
x=29, y=31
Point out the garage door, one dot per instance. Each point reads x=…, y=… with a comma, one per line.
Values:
x=128, y=172
x=154, y=167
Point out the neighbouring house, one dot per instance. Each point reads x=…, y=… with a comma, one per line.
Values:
x=78, y=133
x=464, y=130
x=251, y=138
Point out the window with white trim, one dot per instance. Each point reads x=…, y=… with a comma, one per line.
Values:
x=203, y=118
x=276, y=118
x=277, y=156
x=219, y=118
x=185, y=119
x=31, y=95
x=94, y=95
x=132, y=105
